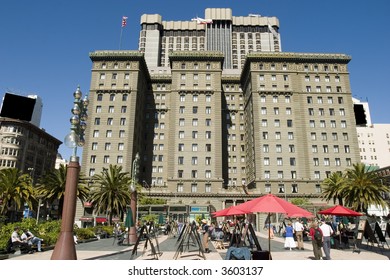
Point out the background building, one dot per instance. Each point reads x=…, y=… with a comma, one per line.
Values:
x=374, y=139
x=26, y=147
x=215, y=127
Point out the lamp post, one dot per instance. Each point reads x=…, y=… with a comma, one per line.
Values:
x=133, y=202
x=65, y=247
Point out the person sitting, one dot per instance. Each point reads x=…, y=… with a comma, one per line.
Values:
x=18, y=242
x=31, y=239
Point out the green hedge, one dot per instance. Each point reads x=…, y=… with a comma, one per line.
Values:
x=49, y=231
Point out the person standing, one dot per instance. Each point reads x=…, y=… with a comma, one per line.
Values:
x=205, y=239
x=316, y=240
x=299, y=228
x=31, y=239
x=327, y=231
x=289, y=242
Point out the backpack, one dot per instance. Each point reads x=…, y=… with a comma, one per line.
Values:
x=317, y=235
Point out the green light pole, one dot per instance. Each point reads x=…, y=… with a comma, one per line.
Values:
x=65, y=248
x=133, y=203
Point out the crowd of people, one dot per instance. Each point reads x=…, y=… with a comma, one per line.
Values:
x=323, y=233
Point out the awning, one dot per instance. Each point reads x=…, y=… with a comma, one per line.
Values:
x=101, y=219
x=87, y=204
x=86, y=219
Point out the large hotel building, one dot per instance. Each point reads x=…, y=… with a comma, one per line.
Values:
x=218, y=114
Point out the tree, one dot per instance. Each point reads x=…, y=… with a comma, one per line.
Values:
x=52, y=187
x=334, y=187
x=15, y=190
x=363, y=188
x=110, y=191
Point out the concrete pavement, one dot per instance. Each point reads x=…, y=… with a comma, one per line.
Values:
x=103, y=248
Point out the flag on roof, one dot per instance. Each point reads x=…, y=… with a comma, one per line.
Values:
x=202, y=20
x=124, y=21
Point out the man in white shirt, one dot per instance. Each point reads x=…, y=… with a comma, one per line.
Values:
x=17, y=241
x=298, y=228
x=327, y=231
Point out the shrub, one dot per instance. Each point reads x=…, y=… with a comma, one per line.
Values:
x=84, y=233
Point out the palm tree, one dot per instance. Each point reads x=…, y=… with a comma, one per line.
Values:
x=52, y=187
x=334, y=187
x=15, y=190
x=110, y=191
x=363, y=188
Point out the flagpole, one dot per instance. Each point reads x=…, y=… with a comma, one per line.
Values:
x=120, y=38
x=123, y=24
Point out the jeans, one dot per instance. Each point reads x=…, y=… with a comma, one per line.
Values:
x=36, y=241
x=326, y=247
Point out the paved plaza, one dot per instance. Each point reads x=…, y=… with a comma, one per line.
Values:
x=167, y=249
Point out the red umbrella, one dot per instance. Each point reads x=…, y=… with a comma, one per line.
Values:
x=339, y=210
x=230, y=211
x=272, y=204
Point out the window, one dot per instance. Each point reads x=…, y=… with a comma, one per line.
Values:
x=266, y=161
x=97, y=121
x=208, y=147
x=279, y=161
x=94, y=146
x=181, y=134
x=194, y=160
x=278, y=135
x=181, y=147
x=181, y=122
x=112, y=97
x=98, y=109
x=123, y=121
x=107, y=146
x=122, y=134
x=292, y=161
x=265, y=148
x=208, y=134
x=195, y=98
x=110, y=121
x=290, y=135
x=194, y=147
x=100, y=98
x=194, y=174
x=278, y=148
x=289, y=123
x=182, y=98
x=195, y=109
x=316, y=162
x=124, y=97
x=96, y=133
x=194, y=122
x=208, y=110
x=180, y=160
x=119, y=159
x=121, y=146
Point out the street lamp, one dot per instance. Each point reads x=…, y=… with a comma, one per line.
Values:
x=65, y=247
x=133, y=203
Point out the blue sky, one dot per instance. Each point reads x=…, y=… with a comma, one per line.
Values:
x=44, y=44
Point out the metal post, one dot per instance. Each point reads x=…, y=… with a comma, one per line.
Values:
x=65, y=247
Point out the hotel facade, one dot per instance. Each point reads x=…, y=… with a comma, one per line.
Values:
x=218, y=114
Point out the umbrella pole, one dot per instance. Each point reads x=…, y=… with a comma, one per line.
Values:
x=269, y=233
